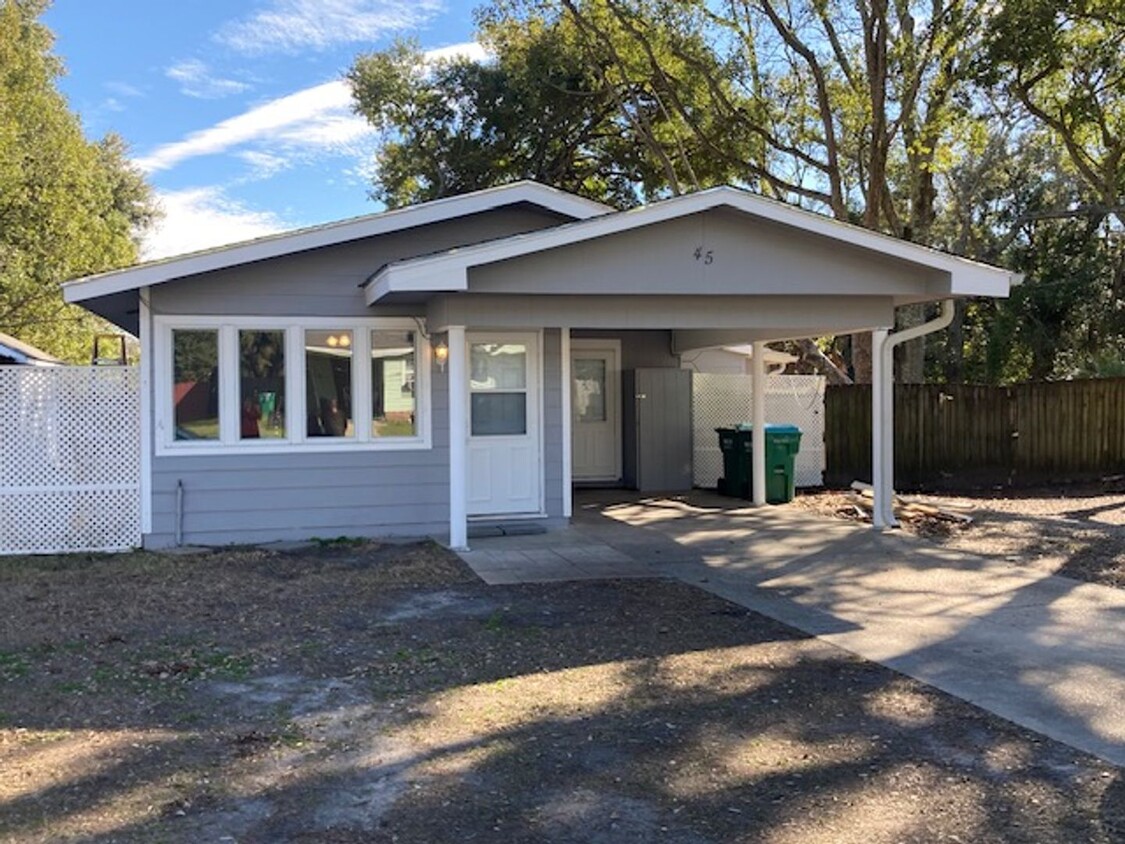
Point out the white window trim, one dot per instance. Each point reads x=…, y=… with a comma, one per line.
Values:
x=297, y=441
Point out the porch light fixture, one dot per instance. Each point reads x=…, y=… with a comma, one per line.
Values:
x=441, y=354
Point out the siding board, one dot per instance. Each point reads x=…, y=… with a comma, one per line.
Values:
x=293, y=495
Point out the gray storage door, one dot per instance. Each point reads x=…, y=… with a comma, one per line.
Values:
x=661, y=402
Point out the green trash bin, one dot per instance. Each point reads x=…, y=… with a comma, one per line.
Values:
x=735, y=445
x=782, y=444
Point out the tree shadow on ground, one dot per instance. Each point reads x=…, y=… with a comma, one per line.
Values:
x=310, y=698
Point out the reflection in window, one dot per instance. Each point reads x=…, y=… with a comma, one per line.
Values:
x=261, y=384
x=589, y=389
x=195, y=384
x=328, y=383
x=498, y=366
x=499, y=414
x=393, y=403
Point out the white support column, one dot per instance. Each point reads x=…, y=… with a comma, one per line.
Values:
x=567, y=467
x=148, y=355
x=458, y=439
x=758, y=418
x=882, y=428
x=888, y=478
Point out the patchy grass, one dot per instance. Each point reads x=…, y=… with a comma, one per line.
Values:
x=359, y=692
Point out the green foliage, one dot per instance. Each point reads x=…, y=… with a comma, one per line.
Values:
x=1063, y=61
x=543, y=108
x=68, y=207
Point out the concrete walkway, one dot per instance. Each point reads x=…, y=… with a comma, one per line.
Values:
x=1045, y=652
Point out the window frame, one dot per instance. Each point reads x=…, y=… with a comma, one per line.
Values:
x=296, y=440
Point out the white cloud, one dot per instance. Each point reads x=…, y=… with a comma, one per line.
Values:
x=467, y=49
x=289, y=26
x=124, y=89
x=197, y=81
x=200, y=218
x=320, y=116
x=264, y=164
x=299, y=126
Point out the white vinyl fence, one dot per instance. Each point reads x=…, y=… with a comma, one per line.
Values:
x=721, y=401
x=69, y=459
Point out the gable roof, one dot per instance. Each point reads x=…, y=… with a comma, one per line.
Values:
x=448, y=271
x=330, y=234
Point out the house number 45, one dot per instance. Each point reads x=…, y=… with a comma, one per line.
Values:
x=706, y=257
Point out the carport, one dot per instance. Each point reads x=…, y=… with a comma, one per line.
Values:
x=714, y=268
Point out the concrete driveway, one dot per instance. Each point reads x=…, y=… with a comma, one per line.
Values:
x=1045, y=652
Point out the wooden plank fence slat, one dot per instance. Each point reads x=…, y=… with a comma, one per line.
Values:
x=949, y=435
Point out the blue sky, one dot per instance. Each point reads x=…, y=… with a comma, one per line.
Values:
x=235, y=109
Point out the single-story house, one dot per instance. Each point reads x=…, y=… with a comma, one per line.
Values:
x=15, y=352
x=473, y=358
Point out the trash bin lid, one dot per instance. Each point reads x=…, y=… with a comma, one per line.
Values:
x=782, y=429
x=771, y=428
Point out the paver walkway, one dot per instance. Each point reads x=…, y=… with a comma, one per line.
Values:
x=1043, y=651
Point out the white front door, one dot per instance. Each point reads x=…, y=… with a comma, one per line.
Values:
x=504, y=449
x=595, y=402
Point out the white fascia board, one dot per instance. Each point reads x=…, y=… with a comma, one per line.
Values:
x=432, y=273
x=330, y=234
x=446, y=274
x=973, y=281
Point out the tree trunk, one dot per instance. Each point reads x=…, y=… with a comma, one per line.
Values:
x=812, y=355
x=954, y=365
x=861, y=357
x=911, y=357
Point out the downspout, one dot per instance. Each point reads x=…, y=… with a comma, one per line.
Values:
x=884, y=482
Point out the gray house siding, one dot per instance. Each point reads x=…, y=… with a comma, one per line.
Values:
x=638, y=348
x=753, y=317
x=553, y=422
x=718, y=252
x=326, y=282
x=238, y=498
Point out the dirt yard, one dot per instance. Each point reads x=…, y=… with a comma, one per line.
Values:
x=384, y=694
x=1075, y=530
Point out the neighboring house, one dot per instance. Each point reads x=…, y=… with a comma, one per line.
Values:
x=16, y=353
x=472, y=358
x=734, y=360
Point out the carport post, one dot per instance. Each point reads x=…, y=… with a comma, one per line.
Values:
x=458, y=440
x=883, y=356
x=758, y=418
x=567, y=422
x=882, y=425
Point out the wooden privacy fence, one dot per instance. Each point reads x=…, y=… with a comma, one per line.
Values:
x=955, y=435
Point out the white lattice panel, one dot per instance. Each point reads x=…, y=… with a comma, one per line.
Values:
x=721, y=401
x=69, y=459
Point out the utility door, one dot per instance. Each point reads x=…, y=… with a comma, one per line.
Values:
x=661, y=400
x=595, y=404
x=505, y=462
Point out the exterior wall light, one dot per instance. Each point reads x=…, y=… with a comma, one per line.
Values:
x=441, y=354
